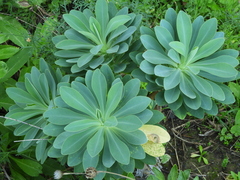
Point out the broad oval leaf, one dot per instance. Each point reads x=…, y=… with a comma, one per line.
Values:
x=74, y=99
x=75, y=142
x=133, y=106
x=81, y=125
x=163, y=71
x=99, y=87
x=115, y=22
x=147, y=67
x=73, y=44
x=113, y=98
x=206, y=32
x=156, y=57
x=171, y=95
x=163, y=36
x=74, y=22
x=129, y=123
x=119, y=150
x=172, y=80
x=96, y=143
x=184, y=29
x=209, y=48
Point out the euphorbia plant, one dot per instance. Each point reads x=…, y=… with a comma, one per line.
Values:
x=97, y=120
x=33, y=97
x=184, y=62
x=95, y=38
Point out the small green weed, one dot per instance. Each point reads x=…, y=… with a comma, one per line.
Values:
x=174, y=174
x=225, y=162
x=234, y=176
x=200, y=155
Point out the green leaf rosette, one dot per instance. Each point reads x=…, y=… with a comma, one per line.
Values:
x=96, y=38
x=185, y=63
x=97, y=120
x=32, y=98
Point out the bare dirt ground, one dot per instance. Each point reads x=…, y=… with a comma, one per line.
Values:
x=187, y=135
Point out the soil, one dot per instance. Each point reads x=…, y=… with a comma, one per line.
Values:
x=186, y=136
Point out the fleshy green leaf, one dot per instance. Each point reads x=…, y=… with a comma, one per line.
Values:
x=172, y=80
x=171, y=95
x=209, y=48
x=147, y=67
x=163, y=36
x=113, y=98
x=118, y=149
x=163, y=71
x=74, y=99
x=83, y=60
x=202, y=85
x=150, y=42
x=89, y=161
x=184, y=29
x=179, y=47
x=115, y=22
x=96, y=143
x=81, y=125
x=156, y=57
x=99, y=87
x=63, y=116
x=133, y=106
x=74, y=22
x=75, y=142
x=129, y=123
x=101, y=11
x=73, y=44
x=206, y=32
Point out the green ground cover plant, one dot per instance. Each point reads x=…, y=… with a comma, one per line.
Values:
x=95, y=111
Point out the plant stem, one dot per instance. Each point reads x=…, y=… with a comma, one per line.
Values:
x=115, y=174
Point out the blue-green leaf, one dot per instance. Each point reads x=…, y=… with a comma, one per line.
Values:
x=179, y=47
x=81, y=125
x=96, y=143
x=107, y=158
x=163, y=36
x=84, y=59
x=206, y=32
x=133, y=106
x=74, y=22
x=171, y=95
x=89, y=161
x=129, y=123
x=156, y=57
x=118, y=149
x=202, y=85
x=101, y=11
x=75, y=142
x=74, y=99
x=150, y=42
x=172, y=80
x=73, y=44
x=63, y=116
x=147, y=67
x=186, y=87
x=115, y=22
x=163, y=71
x=99, y=87
x=209, y=48
x=184, y=28
x=113, y=98
x=135, y=137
